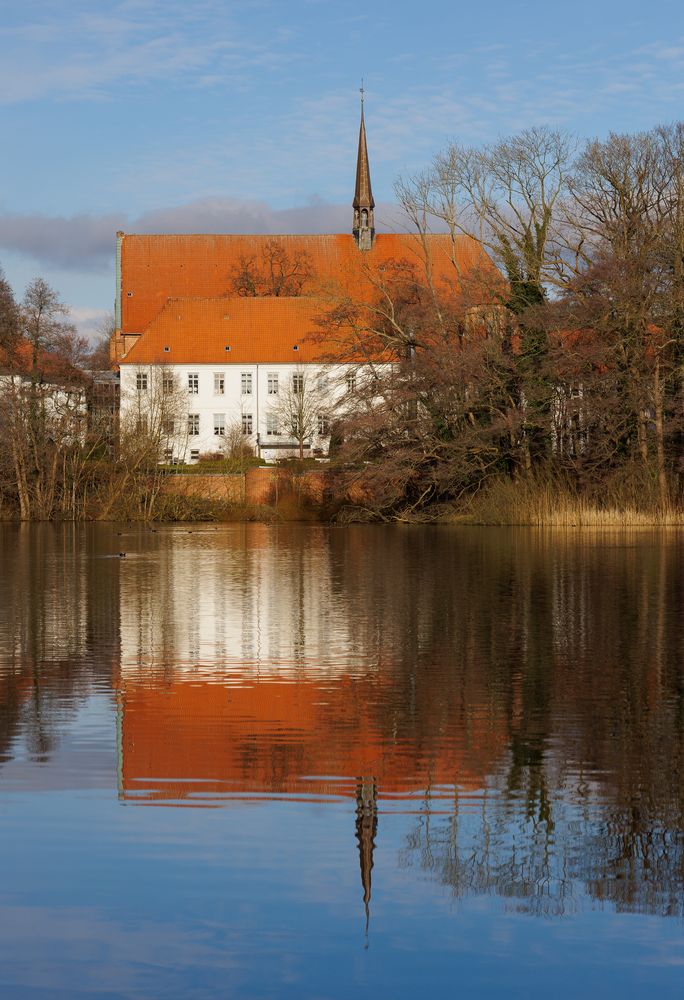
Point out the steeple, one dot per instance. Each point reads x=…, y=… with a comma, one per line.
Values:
x=364, y=225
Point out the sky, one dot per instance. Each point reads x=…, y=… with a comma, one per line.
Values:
x=242, y=115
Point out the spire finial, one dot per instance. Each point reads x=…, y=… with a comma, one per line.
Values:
x=362, y=92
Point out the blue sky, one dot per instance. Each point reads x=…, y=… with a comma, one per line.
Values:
x=242, y=115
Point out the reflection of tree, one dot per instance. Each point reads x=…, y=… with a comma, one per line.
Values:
x=530, y=684
x=61, y=633
x=573, y=649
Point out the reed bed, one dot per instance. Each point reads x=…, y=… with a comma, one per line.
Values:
x=547, y=504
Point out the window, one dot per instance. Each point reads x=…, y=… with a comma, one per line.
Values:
x=168, y=426
x=168, y=454
x=322, y=382
x=272, y=424
x=167, y=383
x=351, y=381
x=193, y=383
x=298, y=382
x=272, y=383
x=219, y=383
x=220, y=424
x=246, y=423
x=194, y=454
x=142, y=425
x=193, y=424
x=323, y=425
x=141, y=381
x=246, y=383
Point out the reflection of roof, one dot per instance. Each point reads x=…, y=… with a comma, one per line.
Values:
x=183, y=739
x=256, y=330
x=155, y=268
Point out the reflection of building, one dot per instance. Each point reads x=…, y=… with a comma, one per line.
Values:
x=196, y=741
x=227, y=603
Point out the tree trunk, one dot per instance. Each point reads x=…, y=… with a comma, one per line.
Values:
x=660, y=436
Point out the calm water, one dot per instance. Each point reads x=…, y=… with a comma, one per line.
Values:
x=294, y=761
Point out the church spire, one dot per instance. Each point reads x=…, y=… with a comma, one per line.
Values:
x=364, y=225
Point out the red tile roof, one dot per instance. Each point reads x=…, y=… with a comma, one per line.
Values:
x=156, y=268
x=257, y=330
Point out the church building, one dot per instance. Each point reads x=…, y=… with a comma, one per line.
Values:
x=220, y=334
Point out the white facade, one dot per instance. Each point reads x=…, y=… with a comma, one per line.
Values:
x=206, y=403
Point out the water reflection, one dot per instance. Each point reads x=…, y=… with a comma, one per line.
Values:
x=518, y=694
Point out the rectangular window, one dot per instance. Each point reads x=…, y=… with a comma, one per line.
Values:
x=168, y=426
x=142, y=425
x=168, y=454
x=246, y=383
x=298, y=382
x=194, y=454
x=220, y=424
x=167, y=383
x=323, y=425
x=322, y=382
x=193, y=424
x=193, y=383
x=273, y=383
x=272, y=424
x=141, y=381
x=351, y=381
x=219, y=384
x=246, y=423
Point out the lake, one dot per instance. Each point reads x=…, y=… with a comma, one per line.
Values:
x=308, y=761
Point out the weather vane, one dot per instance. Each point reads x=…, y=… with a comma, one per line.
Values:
x=361, y=91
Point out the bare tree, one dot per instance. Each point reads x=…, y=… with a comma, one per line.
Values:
x=304, y=407
x=272, y=272
x=626, y=203
x=153, y=424
x=507, y=197
x=10, y=325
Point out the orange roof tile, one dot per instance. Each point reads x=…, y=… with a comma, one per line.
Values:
x=257, y=330
x=155, y=268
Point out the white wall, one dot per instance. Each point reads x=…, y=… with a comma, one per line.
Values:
x=233, y=403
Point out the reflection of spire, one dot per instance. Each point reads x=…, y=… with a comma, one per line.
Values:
x=366, y=828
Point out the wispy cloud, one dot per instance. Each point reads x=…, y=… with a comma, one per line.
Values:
x=78, y=54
